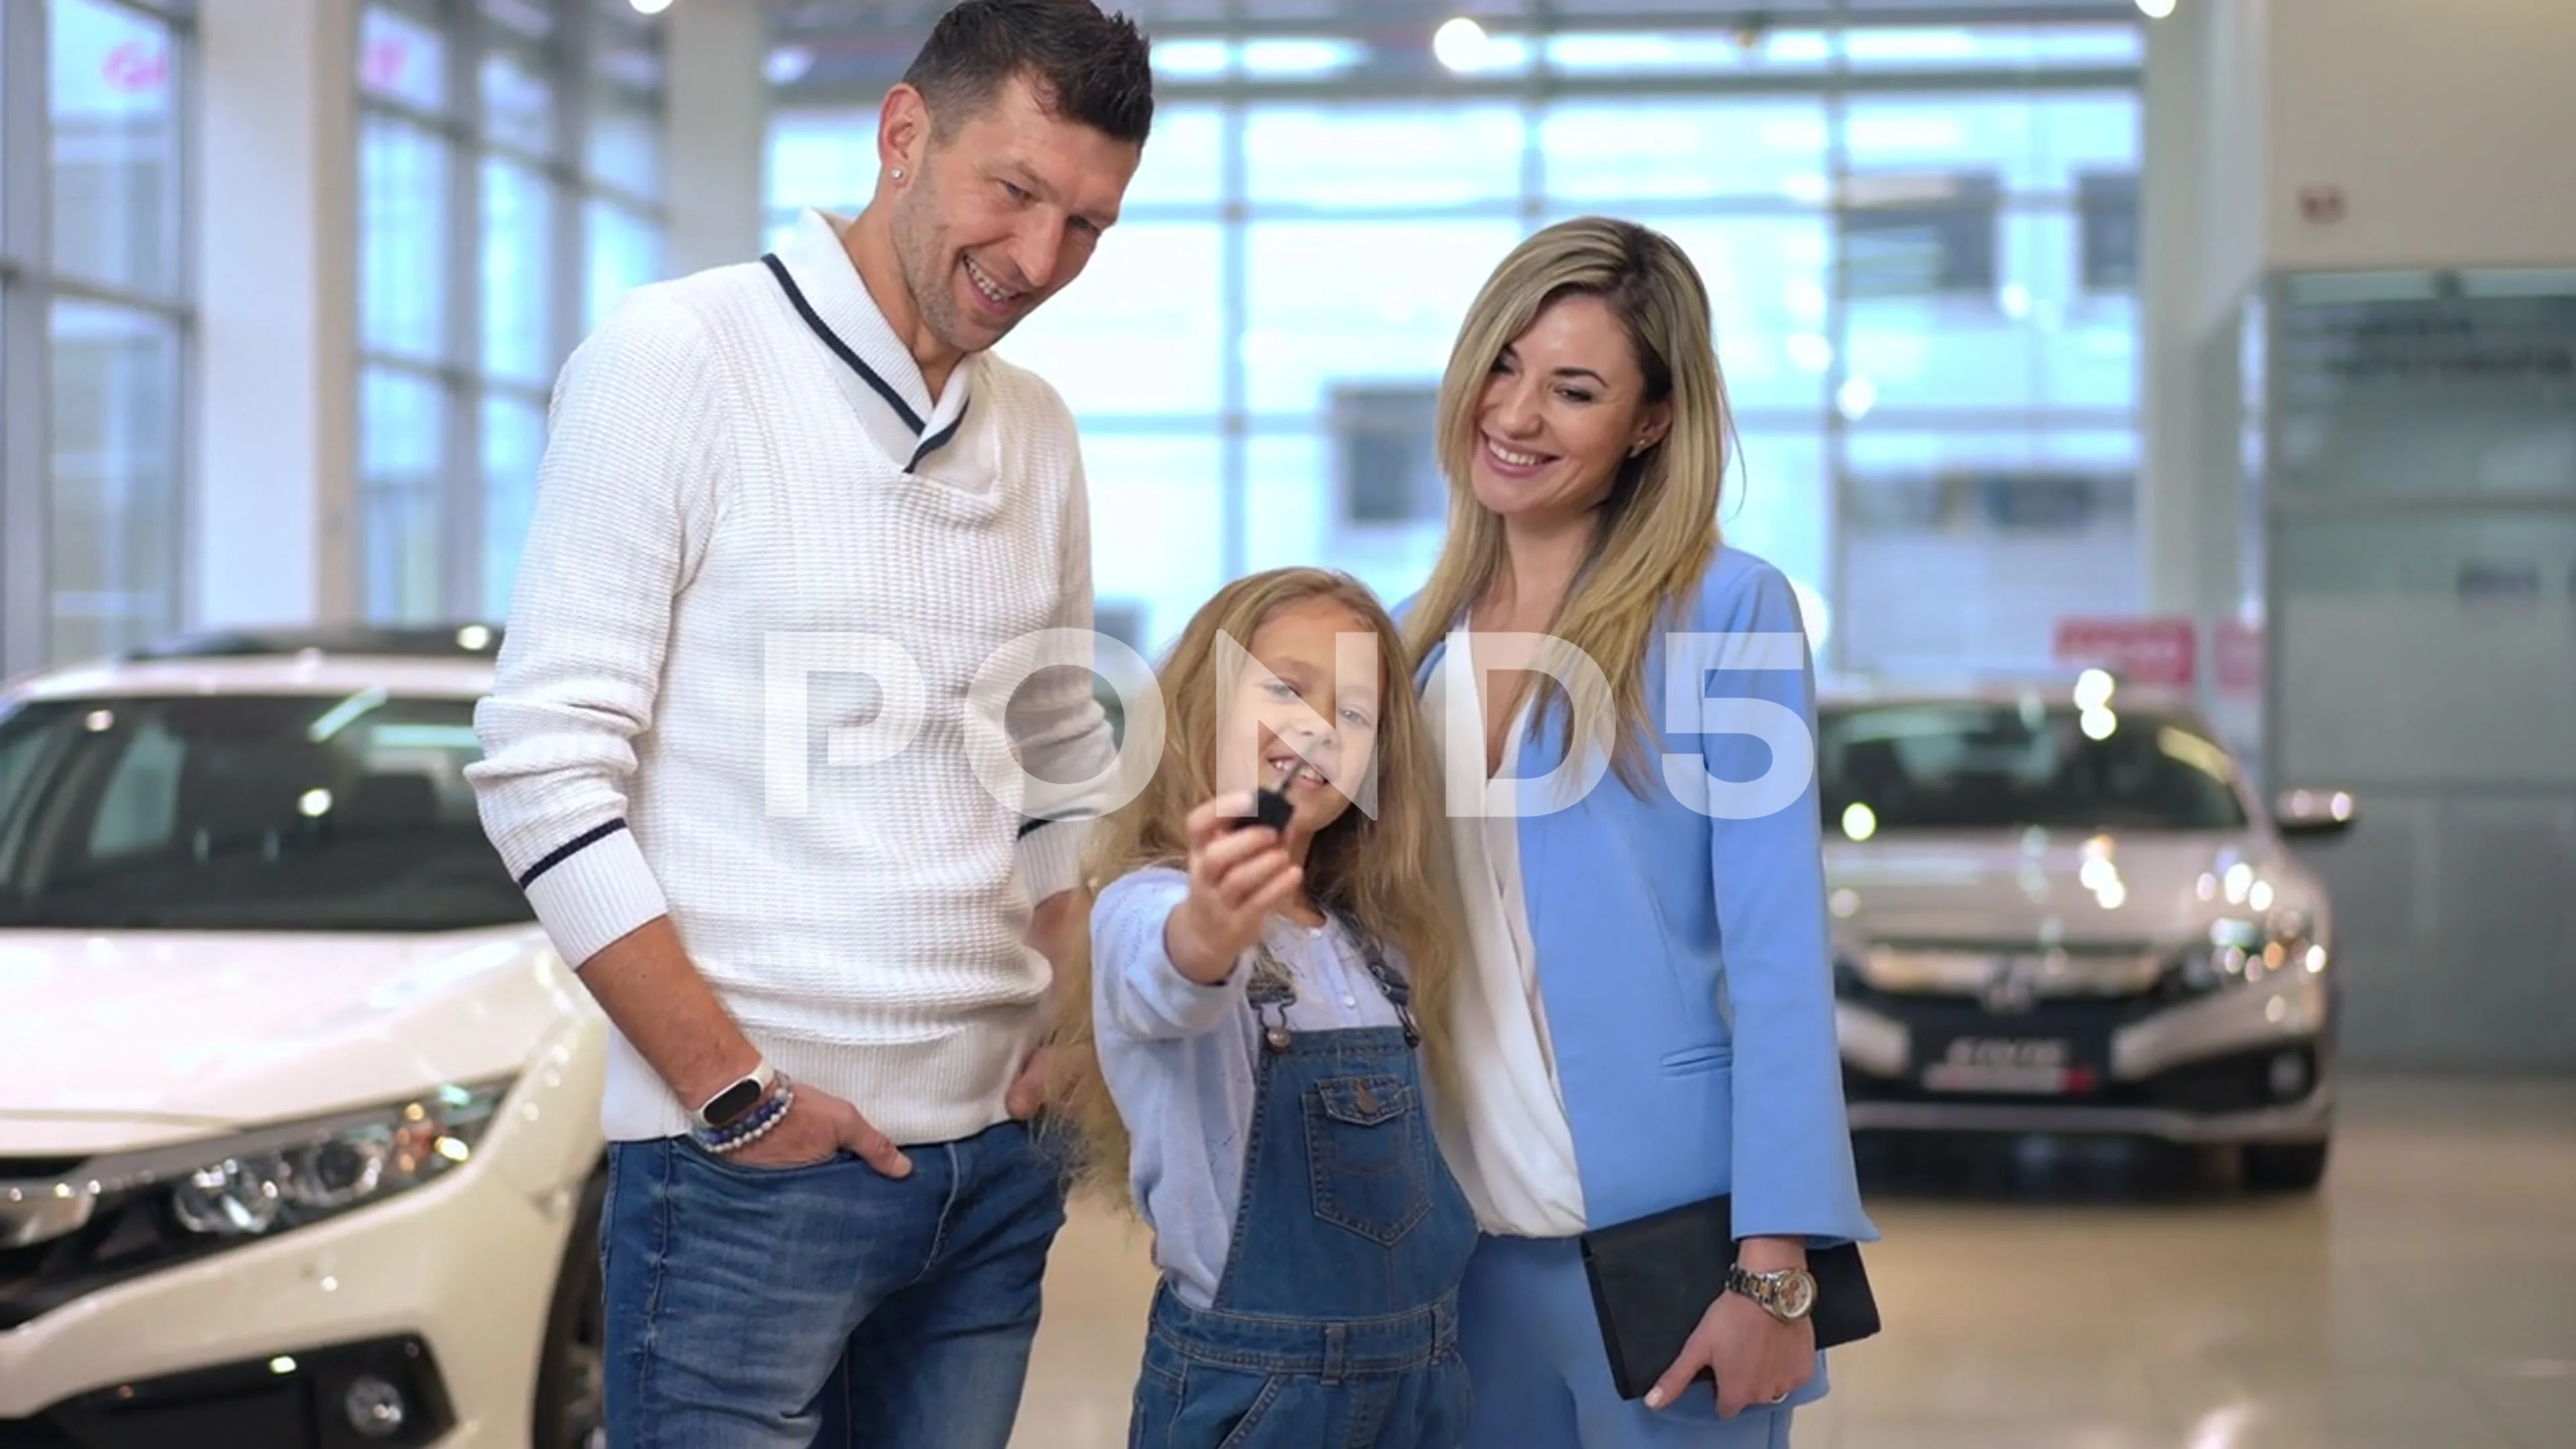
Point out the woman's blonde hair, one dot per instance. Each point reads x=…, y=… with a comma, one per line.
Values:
x=1658, y=527
x=1388, y=875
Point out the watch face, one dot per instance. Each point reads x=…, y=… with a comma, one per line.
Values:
x=733, y=1101
x=1798, y=1294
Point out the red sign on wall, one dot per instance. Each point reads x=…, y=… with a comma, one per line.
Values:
x=383, y=63
x=135, y=66
x=2149, y=651
x=2237, y=657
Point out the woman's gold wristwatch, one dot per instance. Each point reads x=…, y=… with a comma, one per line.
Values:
x=1787, y=1294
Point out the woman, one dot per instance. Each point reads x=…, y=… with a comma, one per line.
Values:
x=1646, y=1020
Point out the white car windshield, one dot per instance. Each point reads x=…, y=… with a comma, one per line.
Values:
x=1970, y=765
x=245, y=812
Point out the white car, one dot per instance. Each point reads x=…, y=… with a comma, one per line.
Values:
x=2066, y=910
x=299, y=1135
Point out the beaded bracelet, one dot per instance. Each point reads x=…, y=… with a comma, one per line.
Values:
x=758, y=1123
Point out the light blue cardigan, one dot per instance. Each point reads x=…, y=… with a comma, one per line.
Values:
x=1683, y=959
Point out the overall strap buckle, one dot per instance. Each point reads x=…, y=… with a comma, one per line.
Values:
x=1398, y=991
x=1271, y=993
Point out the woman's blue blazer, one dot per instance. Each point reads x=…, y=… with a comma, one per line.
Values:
x=1682, y=936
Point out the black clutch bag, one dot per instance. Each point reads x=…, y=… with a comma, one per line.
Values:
x=1653, y=1280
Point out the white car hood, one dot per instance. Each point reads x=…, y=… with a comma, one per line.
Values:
x=116, y=1041
x=1997, y=886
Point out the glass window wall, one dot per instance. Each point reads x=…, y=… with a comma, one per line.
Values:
x=510, y=192
x=1919, y=242
x=95, y=324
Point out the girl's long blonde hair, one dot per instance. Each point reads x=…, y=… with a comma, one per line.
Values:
x=1388, y=875
x=1658, y=528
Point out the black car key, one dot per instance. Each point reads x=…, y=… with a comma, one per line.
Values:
x=1271, y=805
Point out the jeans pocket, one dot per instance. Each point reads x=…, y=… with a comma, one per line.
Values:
x=604, y=1231
x=693, y=1150
x=1366, y=1145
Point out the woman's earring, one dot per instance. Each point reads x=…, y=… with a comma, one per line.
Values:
x=898, y=173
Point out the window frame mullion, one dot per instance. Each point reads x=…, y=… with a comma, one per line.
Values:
x=26, y=354
x=460, y=514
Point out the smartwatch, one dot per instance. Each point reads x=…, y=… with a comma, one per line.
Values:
x=735, y=1102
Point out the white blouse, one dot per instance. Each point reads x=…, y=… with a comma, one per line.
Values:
x=1508, y=1141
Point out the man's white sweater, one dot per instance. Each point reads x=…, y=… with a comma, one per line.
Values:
x=751, y=509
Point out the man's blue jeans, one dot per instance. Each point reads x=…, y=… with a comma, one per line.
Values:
x=753, y=1308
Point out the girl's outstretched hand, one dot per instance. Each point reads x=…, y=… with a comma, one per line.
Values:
x=1238, y=874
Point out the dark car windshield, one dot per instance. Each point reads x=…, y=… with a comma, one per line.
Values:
x=1981, y=766
x=238, y=812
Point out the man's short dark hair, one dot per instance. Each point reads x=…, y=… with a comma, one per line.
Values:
x=1085, y=65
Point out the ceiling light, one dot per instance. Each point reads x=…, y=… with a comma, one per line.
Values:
x=786, y=65
x=2156, y=9
x=1459, y=44
x=650, y=7
x=1286, y=56
x=1192, y=57
x=1856, y=397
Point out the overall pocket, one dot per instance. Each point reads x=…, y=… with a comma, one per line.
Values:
x=1365, y=1149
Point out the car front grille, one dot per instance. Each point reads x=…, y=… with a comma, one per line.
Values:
x=128, y=1235
x=2238, y=1082
x=2016, y=974
x=38, y=1169
x=2076, y=1018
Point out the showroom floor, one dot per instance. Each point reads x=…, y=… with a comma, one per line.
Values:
x=2080, y=1299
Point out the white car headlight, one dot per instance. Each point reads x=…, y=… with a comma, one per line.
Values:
x=285, y=1178
x=100, y=1222
x=2241, y=952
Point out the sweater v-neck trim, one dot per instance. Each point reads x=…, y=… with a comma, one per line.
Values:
x=815, y=273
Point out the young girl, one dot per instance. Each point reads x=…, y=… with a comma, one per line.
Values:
x=1259, y=1008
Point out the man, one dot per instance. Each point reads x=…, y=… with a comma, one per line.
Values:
x=790, y=512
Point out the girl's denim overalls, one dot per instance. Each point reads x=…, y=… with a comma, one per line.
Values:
x=1335, y=1321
